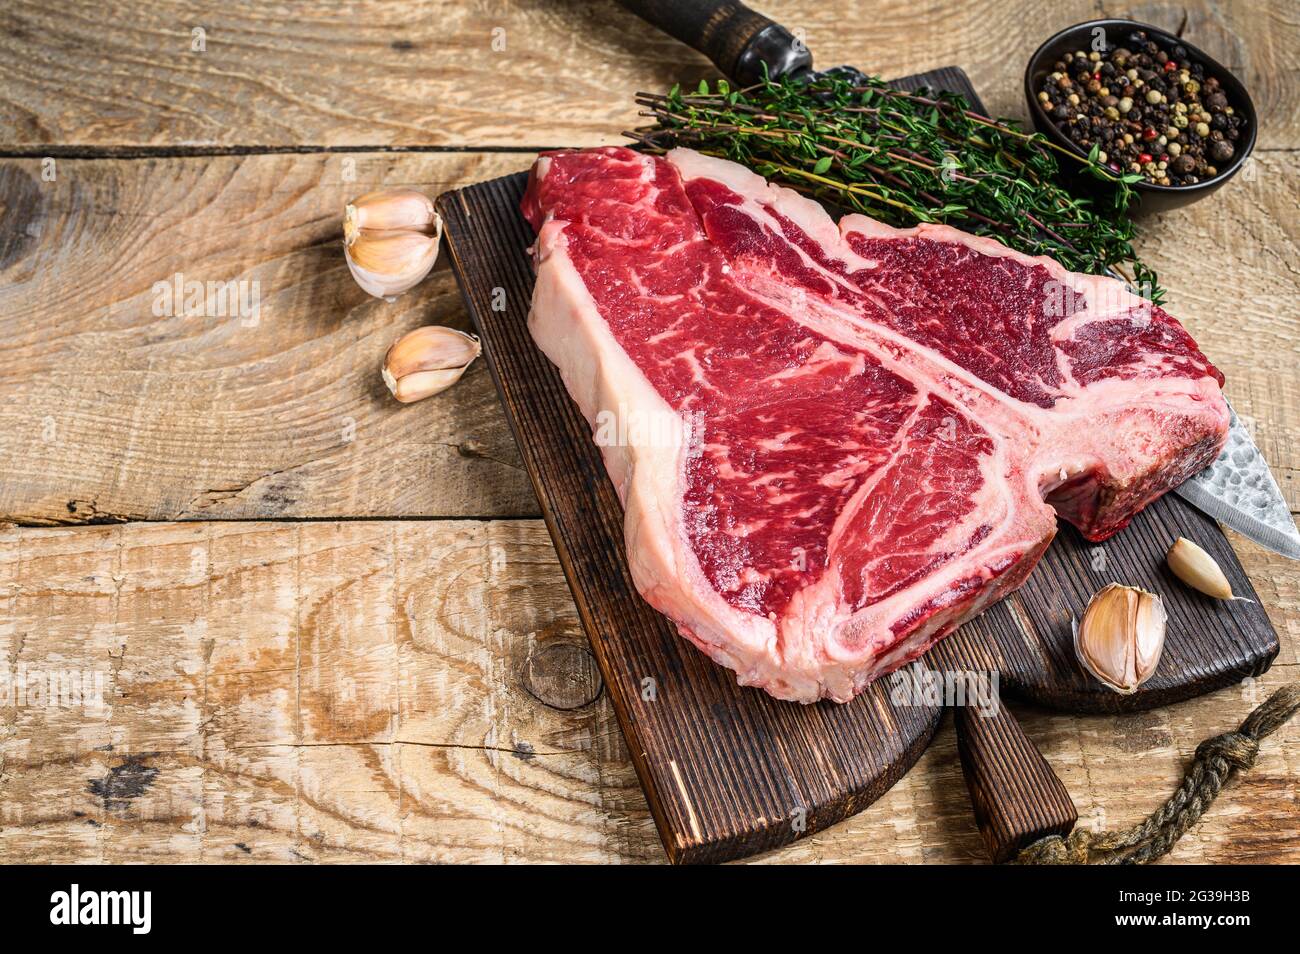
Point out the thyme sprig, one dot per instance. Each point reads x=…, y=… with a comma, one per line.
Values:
x=905, y=158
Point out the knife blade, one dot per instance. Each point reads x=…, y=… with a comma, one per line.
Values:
x=1239, y=491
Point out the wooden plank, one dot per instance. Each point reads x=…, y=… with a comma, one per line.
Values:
x=522, y=73
x=346, y=691
x=360, y=691
x=195, y=417
x=111, y=411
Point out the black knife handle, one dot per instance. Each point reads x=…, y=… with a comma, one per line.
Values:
x=739, y=41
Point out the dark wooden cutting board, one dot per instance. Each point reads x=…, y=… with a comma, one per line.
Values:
x=730, y=771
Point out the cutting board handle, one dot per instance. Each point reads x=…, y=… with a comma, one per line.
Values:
x=739, y=41
x=1017, y=797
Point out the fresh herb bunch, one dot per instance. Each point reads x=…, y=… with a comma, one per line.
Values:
x=904, y=158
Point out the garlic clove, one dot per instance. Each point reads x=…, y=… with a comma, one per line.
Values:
x=1149, y=630
x=388, y=263
x=391, y=209
x=1121, y=636
x=1102, y=640
x=428, y=360
x=422, y=384
x=1197, y=569
x=431, y=348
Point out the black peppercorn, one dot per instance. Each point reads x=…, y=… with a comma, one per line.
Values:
x=1221, y=151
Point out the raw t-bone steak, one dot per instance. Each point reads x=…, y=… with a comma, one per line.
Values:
x=835, y=443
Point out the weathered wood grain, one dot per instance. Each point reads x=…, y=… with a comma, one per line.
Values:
x=212, y=758
x=110, y=411
x=359, y=691
x=324, y=691
x=524, y=73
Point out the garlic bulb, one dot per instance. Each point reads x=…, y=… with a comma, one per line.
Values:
x=390, y=240
x=1121, y=636
x=1197, y=569
x=428, y=360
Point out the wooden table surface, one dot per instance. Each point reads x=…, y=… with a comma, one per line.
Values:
x=332, y=628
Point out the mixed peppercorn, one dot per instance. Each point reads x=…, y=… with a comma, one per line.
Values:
x=1147, y=110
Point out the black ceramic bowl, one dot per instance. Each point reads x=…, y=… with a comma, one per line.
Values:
x=1154, y=198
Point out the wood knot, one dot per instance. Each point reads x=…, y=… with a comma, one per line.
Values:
x=562, y=675
x=124, y=782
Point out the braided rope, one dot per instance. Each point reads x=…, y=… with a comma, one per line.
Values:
x=1215, y=762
